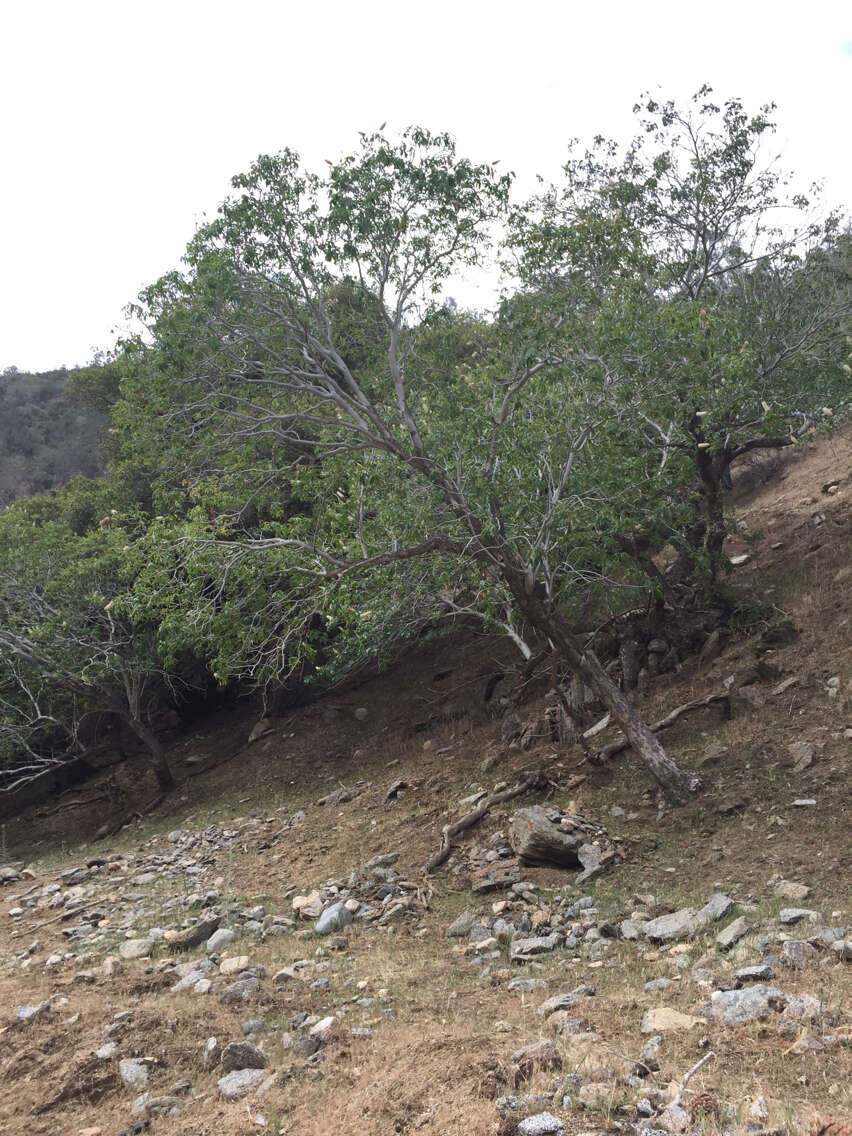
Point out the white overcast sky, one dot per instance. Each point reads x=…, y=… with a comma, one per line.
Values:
x=120, y=124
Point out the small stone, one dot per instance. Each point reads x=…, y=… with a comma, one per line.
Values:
x=241, y=991
x=308, y=906
x=785, y=889
x=564, y=1001
x=735, y=1007
x=542, y=1124
x=107, y=1051
x=733, y=933
x=523, y=949
x=792, y=915
x=494, y=877
x=162, y=1106
x=334, y=918
x=663, y=1019
x=673, y=1118
x=648, y=1058
x=795, y=953
x=679, y=925
x=526, y=985
x=763, y=973
x=324, y=1028
x=717, y=907
x=594, y=1093
x=657, y=984
x=195, y=935
x=133, y=1073
x=220, y=939
x=234, y=964
x=136, y=948
x=538, y=1055
x=30, y=1013
x=211, y=1054
x=240, y=1082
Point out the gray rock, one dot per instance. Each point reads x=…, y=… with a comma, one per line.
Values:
x=526, y=985
x=762, y=973
x=240, y=1082
x=211, y=1054
x=559, y=1002
x=195, y=935
x=795, y=953
x=254, y=1025
x=657, y=984
x=543, y=1124
x=220, y=939
x=734, y=1007
x=801, y=1008
x=29, y=1013
x=107, y=1051
x=535, y=839
x=460, y=927
x=163, y=1106
x=136, y=948
x=134, y=1074
x=629, y=930
x=717, y=907
x=521, y=1105
x=243, y=990
x=495, y=877
x=523, y=949
x=243, y=1055
x=790, y=915
x=649, y=1057
x=843, y=949
x=478, y=933
x=786, y=889
x=733, y=933
x=334, y=918
x=680, y=925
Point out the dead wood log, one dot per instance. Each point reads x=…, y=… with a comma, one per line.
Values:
x=73, y=804
x=531, y=780
x=616, y=747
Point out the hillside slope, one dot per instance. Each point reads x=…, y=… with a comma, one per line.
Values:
x=111, y=984
x=45, y=436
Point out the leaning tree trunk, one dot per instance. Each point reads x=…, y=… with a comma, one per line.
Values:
x=585, y=664
x=159, y=761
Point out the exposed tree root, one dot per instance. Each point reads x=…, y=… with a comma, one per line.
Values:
x=616, y=747
x=534, y=779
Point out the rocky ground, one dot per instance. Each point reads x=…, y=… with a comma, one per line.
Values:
x=265, y=954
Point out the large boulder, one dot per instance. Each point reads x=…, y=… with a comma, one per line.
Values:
x=536, y=839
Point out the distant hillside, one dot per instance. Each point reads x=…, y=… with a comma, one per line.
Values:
x=45, y=436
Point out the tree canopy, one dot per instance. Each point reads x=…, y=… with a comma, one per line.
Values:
x=314, y=457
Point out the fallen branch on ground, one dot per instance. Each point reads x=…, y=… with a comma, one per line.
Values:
x=532, y=780
x=613, y=748
x=73, y=804
x=677, y=1102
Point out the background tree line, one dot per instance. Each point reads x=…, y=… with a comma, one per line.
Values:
x=47, y=433
x=313, y=459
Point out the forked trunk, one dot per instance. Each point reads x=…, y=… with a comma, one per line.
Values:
x=586, y=666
